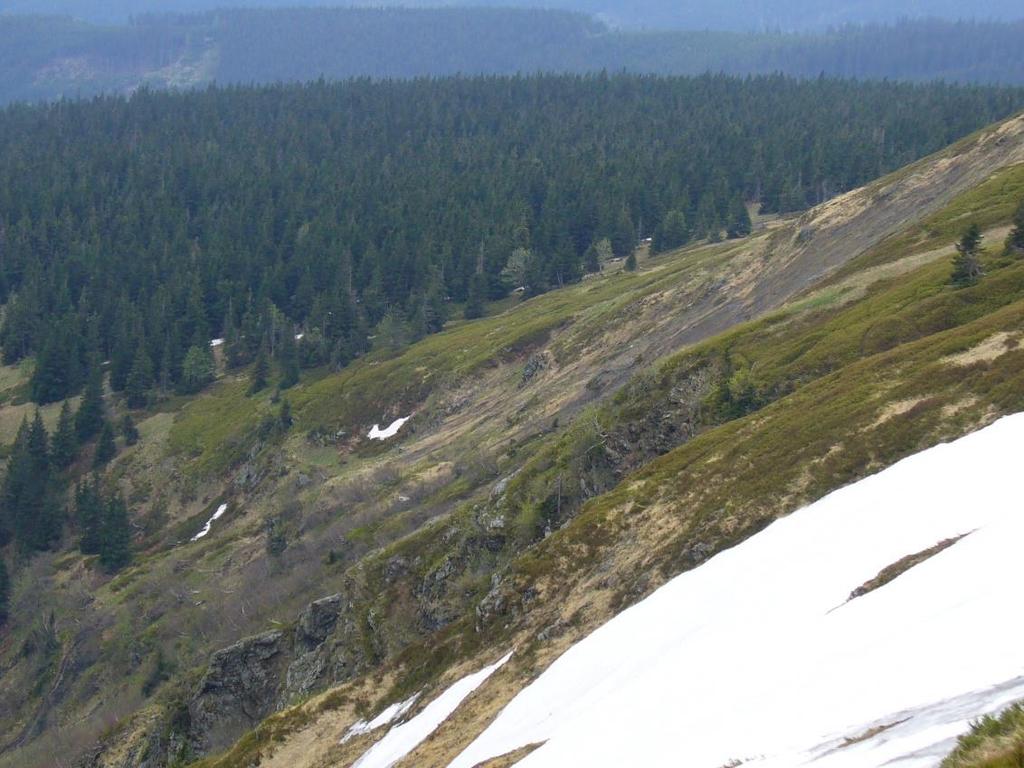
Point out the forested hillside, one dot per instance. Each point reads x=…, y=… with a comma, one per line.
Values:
x=299, y=223
x=48, y=57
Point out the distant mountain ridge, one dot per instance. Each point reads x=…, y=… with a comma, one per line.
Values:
x=47, y=57
x=736, y=15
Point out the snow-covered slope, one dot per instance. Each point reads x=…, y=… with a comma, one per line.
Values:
x=759, y=658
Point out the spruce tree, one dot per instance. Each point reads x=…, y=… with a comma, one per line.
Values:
x=738, y=224
x=260, y=370
x=631, y=264
x=30, y=511
x=284, y=418
x=1015, y=242
x=106, y=448
x=140, y=379
x=129, y=431
x=288, y=357
x=966, y=266
x=115, y=535
x=89, y=418
x=89, y=513
x=64, y=445
x=5, y=592
x=197, y=369
x=672, y=233
x=622, y=234
x=17, y=487
x=475, y=296
x=56, y=375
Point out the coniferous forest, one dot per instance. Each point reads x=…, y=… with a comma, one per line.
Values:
x=291, y=221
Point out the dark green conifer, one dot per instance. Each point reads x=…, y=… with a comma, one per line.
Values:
x=89, y=514
x=288, y=358
x=64, y=446
x=631, y=264
x=738, y=224
x=5, y=592
x=129, y=431
x=259, y=373
x=284, y=418
x=115, y=535
x=140, y=379
x=672, y=233
x=197, y=369
x=623, y=234
x=106, y=448
x=89, y=418
x=475, y=296
x=966, y=265
x=1015, y=242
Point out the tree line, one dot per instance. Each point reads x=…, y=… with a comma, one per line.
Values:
x=295, y=222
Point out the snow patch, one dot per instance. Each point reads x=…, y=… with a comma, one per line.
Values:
x=209, y=523
x=743, y=658
x=404, y=738
x=383, y=434
x=392, y=712
x=216, y=342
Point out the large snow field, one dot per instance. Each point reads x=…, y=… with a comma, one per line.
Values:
x=757, y=657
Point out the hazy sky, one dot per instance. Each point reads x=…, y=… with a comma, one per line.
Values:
x=690, y=14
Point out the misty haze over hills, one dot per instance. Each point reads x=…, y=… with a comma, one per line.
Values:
x=736, y=15
x=49, y=57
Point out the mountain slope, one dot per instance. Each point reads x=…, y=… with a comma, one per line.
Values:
x=564, y=458
x=656, y=479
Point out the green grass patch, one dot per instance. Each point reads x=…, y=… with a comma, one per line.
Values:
x=216, y=429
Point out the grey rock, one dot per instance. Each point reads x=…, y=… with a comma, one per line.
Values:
x=317, y=621
x=238, y=690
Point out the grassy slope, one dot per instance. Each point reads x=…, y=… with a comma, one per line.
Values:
x=993, y=742
x=845, y=384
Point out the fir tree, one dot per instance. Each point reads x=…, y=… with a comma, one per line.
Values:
x=623, y=235
x=64, y=446
x=89, y=513
x=30, y=511
x=260, y=370
x=284, y=418
x=5, y=592
x=738, y=224
x=56, y=375
x=115, y=535
x=106, y=448
x=89, y=418
x=475, y=296
x=672, y=233
x=1015, y=242
x=197, y=369
x=129, y=431
x=631, y=264
x=966, y=266
x=592, y=259
x=288, y=358
x=140, y=379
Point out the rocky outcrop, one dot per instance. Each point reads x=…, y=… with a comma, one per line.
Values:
x=238, y=690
